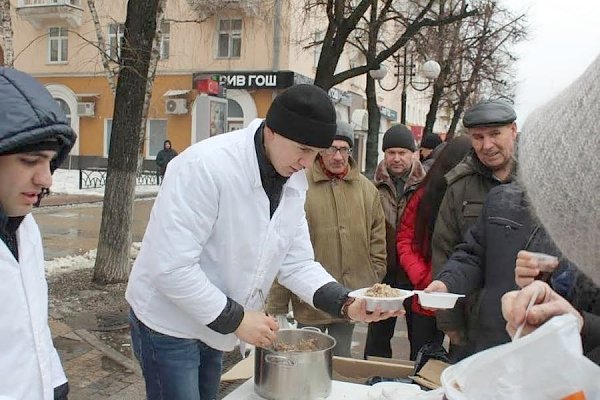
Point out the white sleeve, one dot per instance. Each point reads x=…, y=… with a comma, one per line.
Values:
x=181, y=222
x=58, y=374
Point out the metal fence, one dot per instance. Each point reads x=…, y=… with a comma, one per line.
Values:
x=90, y=178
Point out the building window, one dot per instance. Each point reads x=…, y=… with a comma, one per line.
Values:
x=116, y=35
x=65, y=108
x=165, y=40
x=235, y=115
x=156, y=134
x=230, y=38
x=58, y=45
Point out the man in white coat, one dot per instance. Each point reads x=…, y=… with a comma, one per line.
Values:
x=35, y=138
x=228, y=220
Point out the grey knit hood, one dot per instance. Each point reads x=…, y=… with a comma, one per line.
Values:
x=559, y=156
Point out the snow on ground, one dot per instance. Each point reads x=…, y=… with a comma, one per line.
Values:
x=85, y=261
x=66, y=181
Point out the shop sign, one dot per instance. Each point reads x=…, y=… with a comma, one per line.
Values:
x=388, y=113
x=253, y=80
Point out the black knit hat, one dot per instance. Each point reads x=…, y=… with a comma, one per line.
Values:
x=398, y=136
x=430, y=141
x=345, y=132
x=304, y=114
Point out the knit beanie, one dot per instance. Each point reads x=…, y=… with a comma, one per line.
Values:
x=559, y=166
x=345, y=132
x=398, y=136
x=431, y=141
x=305, y=114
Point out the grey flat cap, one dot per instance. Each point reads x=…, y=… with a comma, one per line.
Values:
x=345, y=132
x=489, y=113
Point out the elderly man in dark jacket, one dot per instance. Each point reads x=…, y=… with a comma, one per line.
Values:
x=485, y=261
x=493, y=131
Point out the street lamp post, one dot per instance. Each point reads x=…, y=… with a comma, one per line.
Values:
x=430, y=69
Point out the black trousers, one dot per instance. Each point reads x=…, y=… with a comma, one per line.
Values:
x=61, y=392
x=380, y=334
x=424, y=330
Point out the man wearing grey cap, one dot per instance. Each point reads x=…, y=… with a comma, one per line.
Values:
x=493, y=131
x=228, y=220
x=347, y=231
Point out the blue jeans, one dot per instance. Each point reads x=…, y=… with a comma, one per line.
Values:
x=175, y=368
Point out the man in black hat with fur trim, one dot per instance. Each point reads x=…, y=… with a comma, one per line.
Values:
x=228, y=220
x=396, y=178
x=34, y=139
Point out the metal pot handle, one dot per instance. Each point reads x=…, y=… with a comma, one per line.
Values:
x=279, y=360
x=312, y=329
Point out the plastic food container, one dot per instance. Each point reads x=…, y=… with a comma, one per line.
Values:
x=385, y=303
x=437, y=300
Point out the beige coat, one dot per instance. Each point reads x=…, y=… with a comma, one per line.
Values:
x=347, y=230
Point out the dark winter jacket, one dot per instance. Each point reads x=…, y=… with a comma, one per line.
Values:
x=393, y=206
x=486, y=261
x=29, y=114
x=468, y=185
x=163, y=158
x=585, y=297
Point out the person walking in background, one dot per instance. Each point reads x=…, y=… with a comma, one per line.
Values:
x=164, y=157
x=347, y=231
x=228, y=220
x=493, y=131
x=35, y=138
x=396, y=178
x=414, y=238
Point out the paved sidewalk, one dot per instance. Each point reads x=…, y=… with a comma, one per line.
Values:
x=95, y=371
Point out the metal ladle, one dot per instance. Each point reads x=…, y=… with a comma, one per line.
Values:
x=264, y=303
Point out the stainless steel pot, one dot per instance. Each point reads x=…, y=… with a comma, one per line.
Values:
x=303, y=375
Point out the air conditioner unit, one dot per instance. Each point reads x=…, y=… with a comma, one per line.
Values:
x=176, y=106
x=85, y=109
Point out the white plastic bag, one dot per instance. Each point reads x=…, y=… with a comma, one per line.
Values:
x=547, y=364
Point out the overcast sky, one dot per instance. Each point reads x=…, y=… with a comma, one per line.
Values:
x=564, y=38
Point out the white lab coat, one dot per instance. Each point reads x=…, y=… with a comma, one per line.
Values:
x=210, y=236
x=29, y=364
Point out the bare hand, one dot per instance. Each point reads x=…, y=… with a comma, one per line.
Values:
x=357, y=311
x=257, y=329
x=547, y=305
x=437, y=286
x=529, y=266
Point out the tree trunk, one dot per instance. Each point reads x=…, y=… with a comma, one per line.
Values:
x=154, y=57
x=110, y=75
x=455, y=118
x=7, y=33
x=438, y=91
x=112, y=260
x=373, y=133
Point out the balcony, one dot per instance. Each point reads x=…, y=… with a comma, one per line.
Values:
x=41, y=13
x=209, y=8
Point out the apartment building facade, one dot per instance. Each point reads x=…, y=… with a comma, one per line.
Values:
x=256, y=48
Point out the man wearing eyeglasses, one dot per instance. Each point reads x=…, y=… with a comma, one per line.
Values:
x=396, y=178
x=347, y=231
